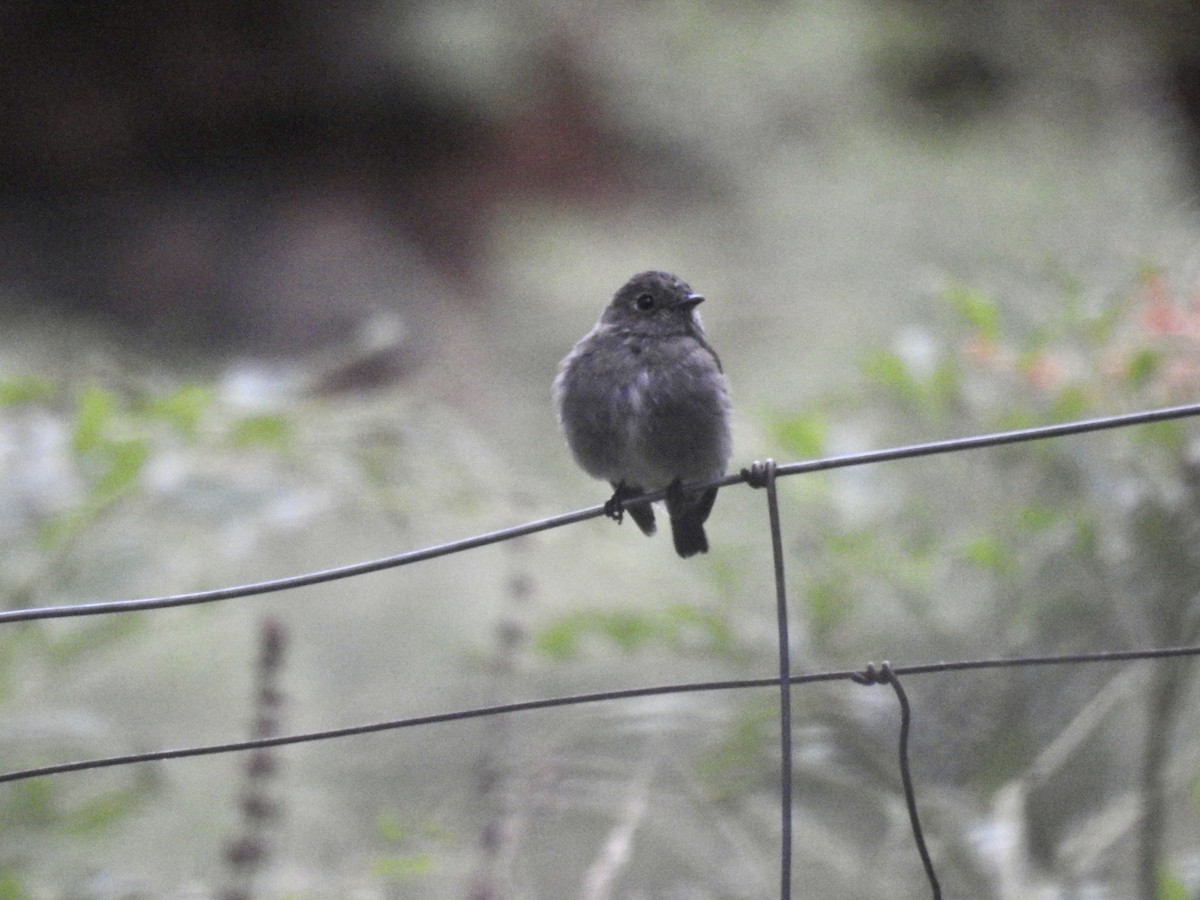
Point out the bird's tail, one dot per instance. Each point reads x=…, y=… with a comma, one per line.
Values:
x=688, y=514
x=689, y=536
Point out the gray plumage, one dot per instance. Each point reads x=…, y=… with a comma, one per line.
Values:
x=645, y=406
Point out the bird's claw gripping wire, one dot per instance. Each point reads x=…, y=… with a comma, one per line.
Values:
x=759, y=473
x=614, y=507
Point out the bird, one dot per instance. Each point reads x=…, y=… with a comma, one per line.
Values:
x=644, y=404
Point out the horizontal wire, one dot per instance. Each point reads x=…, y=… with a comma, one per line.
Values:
x=394, y=724
x=1107, y=656
x=296, y=581
x=995, y=439
x=784, y=680
x=911, y=451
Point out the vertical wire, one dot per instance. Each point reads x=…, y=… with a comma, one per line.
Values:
x=785, y=687
x=910, y=797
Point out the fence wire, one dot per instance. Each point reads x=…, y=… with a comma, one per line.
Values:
x=762, y=475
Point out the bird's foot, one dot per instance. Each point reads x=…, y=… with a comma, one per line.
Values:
x=641, y=513
x=759, y=473
x=614, y=507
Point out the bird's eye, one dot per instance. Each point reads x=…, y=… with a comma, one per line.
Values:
x=644, y=301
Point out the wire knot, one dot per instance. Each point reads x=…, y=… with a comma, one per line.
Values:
x=759, y=474
x=872, y=675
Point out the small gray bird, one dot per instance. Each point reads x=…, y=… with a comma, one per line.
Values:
x=644, y=405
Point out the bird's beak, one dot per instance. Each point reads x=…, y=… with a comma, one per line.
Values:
x=691, y=301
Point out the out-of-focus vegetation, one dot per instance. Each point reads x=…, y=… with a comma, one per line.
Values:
x=1072, y=778
x=1065, y=779
x=124, y=490
x=912, y=221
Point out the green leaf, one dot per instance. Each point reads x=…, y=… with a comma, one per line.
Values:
x=559, y=641
x=1087, y=535
x=25, y=389
x=678, y=629
x=1143, y=366
x=73, y=644
x=1070, y=403
x=1168, y=435
x=801, y=436
x=125, y=461
x=1036, y=517
x=11, y=886
x=887, y=370
x=392, y=829
x=101, y=813
x=945, y=383
x=397, y=868
x=395, y=831
x=1016, y=419
x=991, y=553
x=265, y=430
x=1170, y=887
x=828, y=602
x=1099, y=327
x=977, y=309
x=182, y=409
x=627, y=630
x=94, y=411
x=112, y=463
x=689, y=627
x=30, y=803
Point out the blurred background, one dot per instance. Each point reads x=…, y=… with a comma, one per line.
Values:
x=284, y=287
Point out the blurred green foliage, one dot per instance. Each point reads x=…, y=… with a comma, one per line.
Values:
x=1076, y=544
x=25, y=389
x=676, y=629
x=740, y=761
x=79, y=455
x=410, y=848
x=1068, y=545
x=801, y=436
x=12, y=886
x=114, y=436
x=39, y=803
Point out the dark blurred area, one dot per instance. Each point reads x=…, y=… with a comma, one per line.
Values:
x=258, y=175
x=267, y=175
